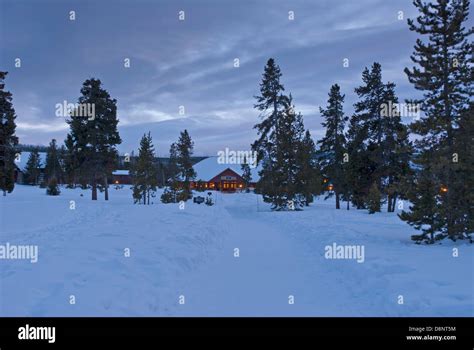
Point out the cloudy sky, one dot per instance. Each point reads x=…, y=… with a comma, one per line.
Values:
x=190, y=63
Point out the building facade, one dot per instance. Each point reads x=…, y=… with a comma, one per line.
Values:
x=121, y=177
x=212, y=175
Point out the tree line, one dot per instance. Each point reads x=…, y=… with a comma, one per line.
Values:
x=89, y=154
x=368, y=159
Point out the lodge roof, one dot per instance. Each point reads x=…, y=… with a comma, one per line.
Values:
x=210, y=167
x=121, y=172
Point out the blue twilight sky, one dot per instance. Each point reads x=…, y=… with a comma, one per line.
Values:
x=190, y=63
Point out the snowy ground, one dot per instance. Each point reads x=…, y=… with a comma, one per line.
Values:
x=190, y=253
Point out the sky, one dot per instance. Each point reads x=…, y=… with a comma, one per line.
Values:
x=190, y=62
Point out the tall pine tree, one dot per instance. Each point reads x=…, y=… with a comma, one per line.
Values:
x=377, y=143
x=280, y=176
x=246, y=174
x=144, y=172
x=333, y=145
x=464, y=145
x=182, y=172
x=365, y=136
x=33, y=168
x=173, y=188
x=184, y=148
x=270, y=103
x=358, y=170
x=444, y=72
x=53, y=168
x=70, y=162
x=8, y=140
x=94, y=139
x=309, y=175
x=398, y=151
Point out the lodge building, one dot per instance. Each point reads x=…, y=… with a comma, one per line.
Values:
x=212, y=175
x=121, y=177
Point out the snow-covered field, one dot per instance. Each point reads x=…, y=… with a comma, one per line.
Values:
x=182, y=261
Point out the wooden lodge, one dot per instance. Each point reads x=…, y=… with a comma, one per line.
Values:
x=121, y=177
x=210, y=175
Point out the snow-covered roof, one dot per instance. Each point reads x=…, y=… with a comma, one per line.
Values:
x=23, y=159
x=207, y=168
x=120, y=172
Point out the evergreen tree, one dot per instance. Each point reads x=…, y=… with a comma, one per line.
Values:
x=69, y=160
x=309, y=175
x=8, y=140
x=427, y=196
x=53, y=165
x=395, y=150
x=373, y=95
x=359, y=168
x=246, y=174
x=184, y=151
x=364, y=136
x=270, y=103
x=94, y=139
x=110, y=158
x=144, y=172
x=398, y=153
x=74, y=156
x=373, y=199
x=53, y=188
x=347, y=190
x=378, y=146
x=173, y=191
x=464, y=145
x=332, y=146
x=33, y=166
x=444, y=72
x=279, y=178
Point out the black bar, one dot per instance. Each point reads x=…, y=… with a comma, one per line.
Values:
x=356, y=331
